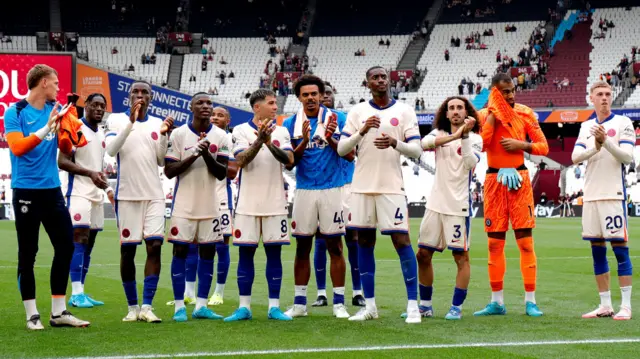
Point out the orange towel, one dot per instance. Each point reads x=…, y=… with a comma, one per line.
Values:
x=507, y=115
x=70, y=133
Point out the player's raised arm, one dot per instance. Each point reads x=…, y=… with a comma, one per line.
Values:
x=116, y=137
x=471, y=145
x=163, y=143
x=244, y=153
x=580, y=151
x=488, y=127
x=18, y=143
x=65, y=163
x=298, y=152
x=352, y=135
x=623, y=150
x=538, y=145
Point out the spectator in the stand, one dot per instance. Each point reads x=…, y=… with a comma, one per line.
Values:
x=577, y=172
x=453, y=41
x=192, y=78
x=114, y=50
x=222, y=76
x=481, y=73
x=231, y=74
x=381, y=42
x=460, y=89
x=153, y=59
x=143, y=59
x=498, y=56
x=362, y=99
x=549, y=103
x=446, y=55
x=422, y=105
x=204, y=64
x=203, y=51
x=478, y=88
x=388, y=43
x=131, y=68
x=290, y=87
x=543, y=199
x=417, y=107
x=352, y=101
x=340, y=105
x=223, y=61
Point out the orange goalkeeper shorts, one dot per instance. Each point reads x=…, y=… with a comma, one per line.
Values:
x=502, y=205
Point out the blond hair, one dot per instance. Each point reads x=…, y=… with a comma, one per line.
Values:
x=599, y=84
x=37, y=73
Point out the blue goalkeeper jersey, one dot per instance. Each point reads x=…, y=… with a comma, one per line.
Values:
x=320, y=167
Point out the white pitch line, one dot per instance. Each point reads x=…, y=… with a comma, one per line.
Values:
x=377, y=261
x=365, y=349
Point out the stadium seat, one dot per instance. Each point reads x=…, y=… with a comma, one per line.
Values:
x=20, y=43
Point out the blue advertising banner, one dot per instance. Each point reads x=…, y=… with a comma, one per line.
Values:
x=165, y=102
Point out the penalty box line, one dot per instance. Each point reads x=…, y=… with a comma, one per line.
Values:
x=369, y=348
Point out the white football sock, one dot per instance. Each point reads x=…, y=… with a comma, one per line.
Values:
x=356, y=292
x=219, y=289
x=179, y=305
x=425, y=303
x=30, y=308
x=605, y=299
x=498, y=297
x=530, y=297
x=76, y=288
x=371, y=304
x=245, y=301
x=322, y=292
x=412, y=304
x=626, y=296
x=147, y=307
x=274, y=303
x=201, y=302
x=190, y=289
x=338, y=290
x=300, y=291
x=58, y=305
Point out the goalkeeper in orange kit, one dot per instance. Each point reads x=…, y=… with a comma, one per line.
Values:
x=507, y=189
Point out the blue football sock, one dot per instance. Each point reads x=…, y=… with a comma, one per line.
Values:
x=246, y=270
x=224, y=261
x=205, y=277
x=77, y=262
x=274, y=270
x=352, y=248
x=320, y=263
x=192, y=263
x=149, y=289
x=178, y=282
x=600, y=262
x=625, y=268
x=338, y=298
x=425, y=292
x=367, y=264
x=87, y=254
x=131, y=291
x=409, y=267
x=459, y=295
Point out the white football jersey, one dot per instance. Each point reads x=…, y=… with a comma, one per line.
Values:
x=90, y=157
x=379, y=171
x=195, y=192
x=450, y=194
x=139, y=158
x=261, y=183
x=223, y=188
x=604, y=177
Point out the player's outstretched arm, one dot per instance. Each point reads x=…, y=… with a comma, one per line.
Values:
x=65, y=163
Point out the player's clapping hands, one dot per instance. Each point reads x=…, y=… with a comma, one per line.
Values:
x=136, y=110
x=598, y=132
x=203, y=145
x=371, y=122
x=167, y=124
x=265, y=130
x=385, y=141
x=469, y=122
x=306, y=131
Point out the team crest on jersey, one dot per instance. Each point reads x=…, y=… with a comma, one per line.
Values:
x=293, y=225
x=611, y=132
x=460, y=151
x=174, y=231
x=394, y=122
x=104, y=145
x=77, y=217
x=24, y=209
x=50, y=136
x=126, y=233
x=154, y=136
x=237, y=233
x=276, y=143
x=487, y=222
x=213, y=148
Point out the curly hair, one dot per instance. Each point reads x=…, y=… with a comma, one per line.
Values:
x=441, y=122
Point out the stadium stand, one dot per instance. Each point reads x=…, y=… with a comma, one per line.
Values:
x=365, y=18
x=459, y=11
x=617, y=42
x=246, y=57
x=19, y=43
x=443, y=77
x=15, y=24
x=129, y=52
x=334, y=52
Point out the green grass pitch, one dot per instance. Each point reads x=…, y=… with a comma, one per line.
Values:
x=566, y=289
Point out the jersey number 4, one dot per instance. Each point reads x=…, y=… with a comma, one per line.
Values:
x=338, y=218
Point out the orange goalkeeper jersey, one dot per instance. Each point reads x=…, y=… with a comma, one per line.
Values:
x=517, y=123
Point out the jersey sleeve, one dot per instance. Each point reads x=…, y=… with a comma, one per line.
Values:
x=223, y=147
x=284, y=139
x=351, y=125
x=11, y=122
x=239, y=141
x=581, y=141
x=173, y=148
x=476, y=145
x=539, y=145
x=581, y=150
x=411, y=131
x=627, y=134
x=342, y=121
x=429, y=141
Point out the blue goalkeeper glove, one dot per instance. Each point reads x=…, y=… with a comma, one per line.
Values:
x=510, y=177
